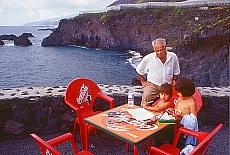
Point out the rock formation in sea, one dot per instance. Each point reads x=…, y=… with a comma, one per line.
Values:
x=198, y=35
x=2, y=43
x=22, y=40
x=8, y=37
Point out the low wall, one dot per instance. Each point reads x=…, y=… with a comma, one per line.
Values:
x=42, y=109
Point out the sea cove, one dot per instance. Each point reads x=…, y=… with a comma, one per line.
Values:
x=54, y=66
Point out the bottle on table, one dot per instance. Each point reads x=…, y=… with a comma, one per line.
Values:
x=131, y=98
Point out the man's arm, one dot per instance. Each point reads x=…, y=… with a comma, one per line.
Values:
x=143, y=81
x=174, y=79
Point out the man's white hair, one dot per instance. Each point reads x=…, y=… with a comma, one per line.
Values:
x=159, y=41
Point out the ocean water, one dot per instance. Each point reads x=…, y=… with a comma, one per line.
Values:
x=57, y=66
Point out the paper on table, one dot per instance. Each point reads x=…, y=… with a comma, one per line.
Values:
x=140, y=114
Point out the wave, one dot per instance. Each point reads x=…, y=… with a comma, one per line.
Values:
x=135, y=58
x=8, y=43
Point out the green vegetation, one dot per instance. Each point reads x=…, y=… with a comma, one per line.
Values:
x=178, y=12
x=161, y=21
x=140, y=1
x=89, y=23
x=102, y=18
x=157, y=13
x=219, y=21
x=219, y=7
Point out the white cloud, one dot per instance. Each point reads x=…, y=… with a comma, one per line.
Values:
x=18, y=12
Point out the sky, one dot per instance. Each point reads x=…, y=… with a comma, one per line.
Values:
x=19, y=12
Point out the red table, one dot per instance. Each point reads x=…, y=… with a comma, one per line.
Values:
x=124, y=127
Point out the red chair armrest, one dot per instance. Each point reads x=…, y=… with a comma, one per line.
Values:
x=60, y=139
x=183, y=130
x=188, y=132
x=156, y=151
x=106, y=98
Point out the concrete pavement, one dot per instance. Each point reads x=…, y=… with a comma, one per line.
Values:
x=104, y=144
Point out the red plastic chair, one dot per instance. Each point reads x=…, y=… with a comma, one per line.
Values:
x=47, y=147
x=204, y=140
x=198, y=100
x=80, y=96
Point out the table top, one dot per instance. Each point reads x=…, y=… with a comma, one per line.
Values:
x=121, y=124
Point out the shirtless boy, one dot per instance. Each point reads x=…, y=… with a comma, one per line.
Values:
x=186, y=103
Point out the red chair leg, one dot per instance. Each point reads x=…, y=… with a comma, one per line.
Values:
x=148, y=144
x=82, y=134
x=75, y=131
x=86, y=138
x=127, y=147
x=135, y=150
x=175, y=130
x=117, y=141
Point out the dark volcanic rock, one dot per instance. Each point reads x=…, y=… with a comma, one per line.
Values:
x=53, y=40
x=2, y=42
x=135, y=82
x=23, y=40
x=21, y=114
x=26, y=35
x=51, y=126
x=46, y=29
x=206, y=64
x=8, y=37
x=13, y=127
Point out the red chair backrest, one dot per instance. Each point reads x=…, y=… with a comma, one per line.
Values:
x=202, y=147
x=46, y=148
x=197, y=97
x=174, y=97
x=81, y=93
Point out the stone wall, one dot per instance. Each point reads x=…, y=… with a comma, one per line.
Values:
x=42, y=109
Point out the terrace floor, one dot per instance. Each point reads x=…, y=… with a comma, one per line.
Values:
x=104, y=144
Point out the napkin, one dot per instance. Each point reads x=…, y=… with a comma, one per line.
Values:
x=167, y=119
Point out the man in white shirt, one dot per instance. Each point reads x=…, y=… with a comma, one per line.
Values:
x=160, y=66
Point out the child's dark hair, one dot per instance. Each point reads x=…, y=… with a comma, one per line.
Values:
x=185, y=87
x=167, y=88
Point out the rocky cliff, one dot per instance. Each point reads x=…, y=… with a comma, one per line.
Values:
x=199, y=37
